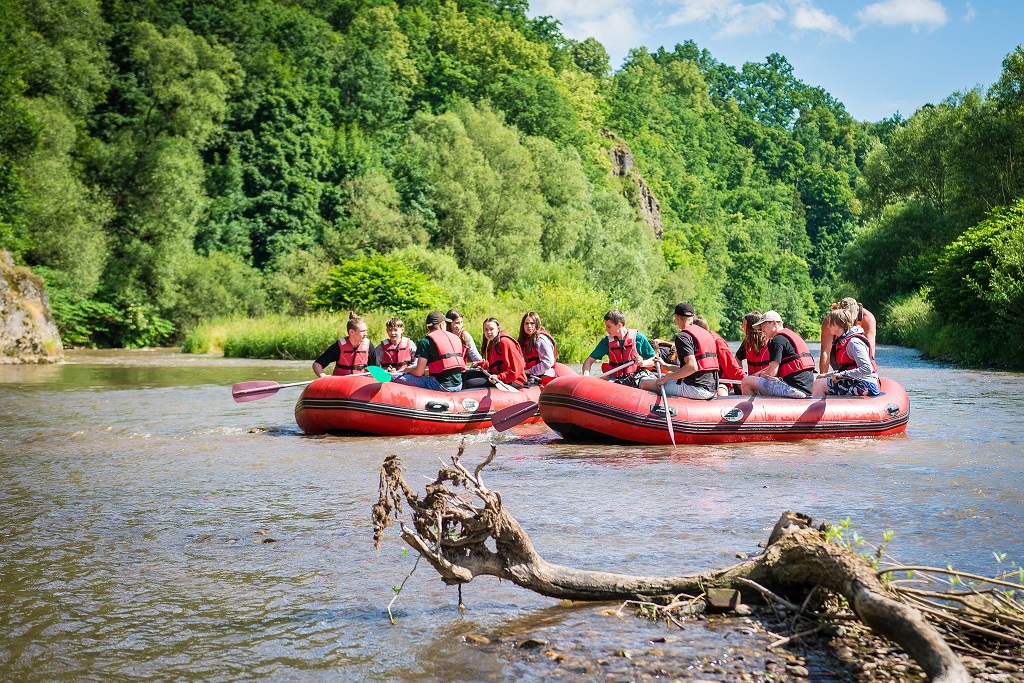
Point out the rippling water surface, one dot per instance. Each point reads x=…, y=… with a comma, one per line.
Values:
x=137, y=497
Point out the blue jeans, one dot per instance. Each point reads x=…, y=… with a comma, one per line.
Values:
x=426, y=382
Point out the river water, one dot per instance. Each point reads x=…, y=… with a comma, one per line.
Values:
x=137, y=500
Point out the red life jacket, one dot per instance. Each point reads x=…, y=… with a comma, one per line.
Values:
x=843, y=359
x=796, y=363
x=449, y=352
x=496, y=360
x=352, y=359
x=622, y=351
x=706, y=352
x=532, y=355
x=728, y=365
x=758, y=361
x=396, y=356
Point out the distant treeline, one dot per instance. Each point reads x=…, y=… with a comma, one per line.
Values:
x=164, y=163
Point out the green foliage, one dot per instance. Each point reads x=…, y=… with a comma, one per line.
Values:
x=894, y=253
x=976, y=290
x=843, y=534
x=162, y=163
x=374, y=282
x=910, y=321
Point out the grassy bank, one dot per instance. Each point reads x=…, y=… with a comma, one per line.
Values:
x=911, y=321
x=306, y=337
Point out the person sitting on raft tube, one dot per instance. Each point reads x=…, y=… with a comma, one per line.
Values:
x=728, y=367
x=440, y=354
x=505, y=362
x=351, y=354
x=790, y=371
x=621, y=346
x=754, y=349
x=697, y=375
x=396, y=353
x=539, y=349
x=456, y=325
x=863, y=317
x=856, y=373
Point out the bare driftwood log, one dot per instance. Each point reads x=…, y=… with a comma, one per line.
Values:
x=451, y=530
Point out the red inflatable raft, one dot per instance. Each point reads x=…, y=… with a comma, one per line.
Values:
x=589, y=409
x=362, y=404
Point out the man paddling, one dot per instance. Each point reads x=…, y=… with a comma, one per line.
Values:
x=697, y=374
x=440, y=355
x=351, y=354
x=622, y=345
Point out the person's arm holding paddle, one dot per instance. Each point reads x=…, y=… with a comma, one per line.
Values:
x=330, y=355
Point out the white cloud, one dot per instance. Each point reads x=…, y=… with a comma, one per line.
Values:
x=807, y=17
x=749, y=20
x=612, y=22
x=916, y=13
x=735, y=18
x=970, y=14
x=691, y=11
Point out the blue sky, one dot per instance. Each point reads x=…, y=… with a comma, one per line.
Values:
x=875, y=56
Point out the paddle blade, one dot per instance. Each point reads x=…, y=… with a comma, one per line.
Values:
x=379, y=373
x=507, y=418
x=254, y=391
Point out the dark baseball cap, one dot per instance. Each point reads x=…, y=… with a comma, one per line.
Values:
x=434, y=318
x=685, y=310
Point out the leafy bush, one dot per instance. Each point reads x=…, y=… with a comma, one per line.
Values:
x=375, y=283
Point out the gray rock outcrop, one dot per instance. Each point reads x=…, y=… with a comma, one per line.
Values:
x=27, y=331
x=623, y=167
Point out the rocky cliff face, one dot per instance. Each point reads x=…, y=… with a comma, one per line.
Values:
x=622, y=167
x=27, y=331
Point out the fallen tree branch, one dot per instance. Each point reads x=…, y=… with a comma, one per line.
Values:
x=452, y=536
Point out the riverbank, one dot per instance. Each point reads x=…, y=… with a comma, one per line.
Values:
x=912, y=322
x=759, y=647
x=306, y=337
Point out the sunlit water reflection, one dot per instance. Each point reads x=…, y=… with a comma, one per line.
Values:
x=138, y=497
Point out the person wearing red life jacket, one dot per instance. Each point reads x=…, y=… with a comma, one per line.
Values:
x=790, y=371
x=856, y=373
x=505, y=362
x=539, y=349
x=862, y=317
x=350, y=354
x=754, y=349
x=728, y=365
x=440, y=355
x=397, y=352
x=622, y=345
x=696, y=376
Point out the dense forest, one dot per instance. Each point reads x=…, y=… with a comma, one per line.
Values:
x=166, y=163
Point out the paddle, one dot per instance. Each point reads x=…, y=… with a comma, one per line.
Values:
x=664, y=400
x=507, y=418
x=498, y=384
x=259, y=389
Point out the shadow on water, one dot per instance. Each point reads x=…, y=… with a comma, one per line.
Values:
x=138, y=497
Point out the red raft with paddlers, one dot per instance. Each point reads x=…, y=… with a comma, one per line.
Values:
x=361, y=404
x=589, y=409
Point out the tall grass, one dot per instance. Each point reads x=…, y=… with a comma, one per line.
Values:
x=275, y=336
x=575, y=328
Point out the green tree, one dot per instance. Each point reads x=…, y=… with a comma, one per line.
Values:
x=375, y=283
